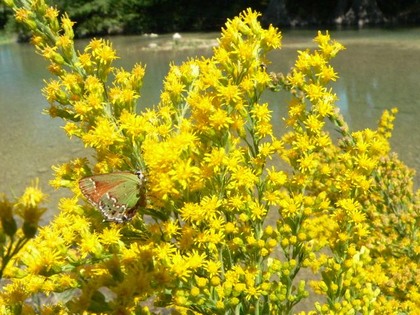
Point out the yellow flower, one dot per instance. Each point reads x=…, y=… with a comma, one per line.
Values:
x=171, y=229
x=15, y=293
x=72, y=82
x=361, y=229
x=138, y=72
x=248, y=86
x=185, y=174
x=296, y=108
x=324, y=106
x=194, y=291
x=32, y=196
x=243, y=177
x=122, y=97
x=64, y=42
x=304, y=143
x=258, y=211
x=195, y=260
x=251, y=292
x=94, y=85
x=308, y=163
x=213, y=267
x=357, y=216
x=122, y=77
x=296, y=78
x=322, y=39
x=272, y=198
x=94, y=44
x=191, y=212
x=92, y=102
x=173, y=83
x=200, y=104
x=210, y=239
x=263, y=129
x=229, y=93
x=221, y=55
x=179, y=267
x=220, y=119
x=328, y=47
x=103, y=135
x=265, y=150
x=65, y=280
x=275, y=177
x=81, y=109
x=215, y=159
x=90, y=244
x=201, y=282
x=314, y=91
x=365, y=162
x=327, y=74
x=85, y=61
x=353, y=210
x=53, y=91
x=22, y=15
x=104, y=52
x=314, y=123
x=303, y=61
x=291, y=206
x=209, y=207
x=236, y=202
x=162, y=187
x=245, y=53
x=110, y=236
x=42, y=260
x=260, y=112
x=272, y=37
x=317, y=61
x=239, y=288
x=165, y=251
x=209, y=187
x=230, y=228
x=187, y=236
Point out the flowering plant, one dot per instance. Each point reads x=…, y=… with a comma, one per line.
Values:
x=239, y=220
x=19, y=222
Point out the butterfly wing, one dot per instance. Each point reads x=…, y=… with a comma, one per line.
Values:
x=116, y=195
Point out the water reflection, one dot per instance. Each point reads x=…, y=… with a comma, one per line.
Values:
x=378, y=70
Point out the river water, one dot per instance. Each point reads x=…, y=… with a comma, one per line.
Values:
x=379, y=69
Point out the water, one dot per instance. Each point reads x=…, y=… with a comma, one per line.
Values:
x=378, y=70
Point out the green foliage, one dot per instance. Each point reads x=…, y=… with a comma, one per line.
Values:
x=100, y=17
x=94, y=17
x=146, y=16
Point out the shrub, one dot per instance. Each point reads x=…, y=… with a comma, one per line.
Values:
x=238, y=219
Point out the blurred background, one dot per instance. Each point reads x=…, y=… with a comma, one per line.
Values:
x=100, y=17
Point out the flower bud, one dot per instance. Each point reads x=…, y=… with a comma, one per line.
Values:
x=29, y=229
x=9, y=226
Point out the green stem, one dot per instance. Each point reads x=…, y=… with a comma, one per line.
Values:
x=12, y=251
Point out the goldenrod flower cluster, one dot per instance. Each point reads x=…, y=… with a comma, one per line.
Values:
x=239, y=220
x=19, y=222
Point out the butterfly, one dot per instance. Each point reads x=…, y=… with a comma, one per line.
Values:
x=117, y=195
